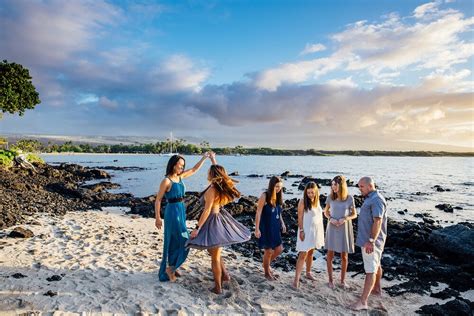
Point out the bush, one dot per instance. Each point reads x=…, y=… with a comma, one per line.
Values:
x=6, y=158
x=34, y=158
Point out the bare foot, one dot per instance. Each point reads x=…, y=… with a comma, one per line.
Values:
x=310, y=276
x=170, y=274
x=331, y=285
x=295, y=285
x=343, y=285
x=381, y=307
x=216, y=290
x=269, y=277
x=225, y=277
x=358, y=306
x=177, y=273
x=376, y=292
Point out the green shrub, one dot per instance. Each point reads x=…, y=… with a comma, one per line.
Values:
x=34, y=158
x=6, y=158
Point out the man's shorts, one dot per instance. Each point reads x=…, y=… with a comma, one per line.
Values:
x=372, y=260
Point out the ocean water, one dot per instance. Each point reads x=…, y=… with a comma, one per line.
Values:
x=398, y=178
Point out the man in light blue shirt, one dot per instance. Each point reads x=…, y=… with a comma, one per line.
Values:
x=371, y=237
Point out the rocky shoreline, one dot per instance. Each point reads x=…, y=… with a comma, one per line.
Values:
x=420, y=255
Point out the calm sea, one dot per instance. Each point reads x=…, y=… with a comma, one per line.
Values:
x=399, y=178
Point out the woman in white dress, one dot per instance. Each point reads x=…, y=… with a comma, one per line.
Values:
x=310, y=231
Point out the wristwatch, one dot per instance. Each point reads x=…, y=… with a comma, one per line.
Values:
x=371, y=240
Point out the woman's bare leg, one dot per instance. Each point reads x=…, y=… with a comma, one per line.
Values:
x=329, y=258
x=216, y=269
x=299, y=268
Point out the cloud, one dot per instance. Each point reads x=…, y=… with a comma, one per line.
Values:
x=107, y=103
x=52, y=32
x=346, y=82
x=424, y=9
x=292, y=73
x=312, y=48
x=432, y=39
x=126, y=89
x=178, y=73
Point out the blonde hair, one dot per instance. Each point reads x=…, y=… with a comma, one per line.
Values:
x=343, y=191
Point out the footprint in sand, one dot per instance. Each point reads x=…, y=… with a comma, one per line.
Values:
x=265, y=286
x=238, y=280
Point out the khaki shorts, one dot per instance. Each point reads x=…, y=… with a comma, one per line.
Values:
x=372, y=260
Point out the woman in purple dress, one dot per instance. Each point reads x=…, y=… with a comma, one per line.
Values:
x=216, y=227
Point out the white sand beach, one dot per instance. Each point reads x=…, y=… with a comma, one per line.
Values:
x=108, y=264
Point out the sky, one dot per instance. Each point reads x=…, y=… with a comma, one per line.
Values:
x=381, y=74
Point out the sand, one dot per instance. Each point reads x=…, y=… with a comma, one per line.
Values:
x=108, y=264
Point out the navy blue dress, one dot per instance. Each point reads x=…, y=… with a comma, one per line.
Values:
x=270, y=227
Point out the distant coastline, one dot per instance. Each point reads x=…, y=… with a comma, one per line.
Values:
x=182, y=146
x=294, y=153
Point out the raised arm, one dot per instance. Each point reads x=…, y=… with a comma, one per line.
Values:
x=212, y=156
x=258, y=214
x=209, y=197
x=300, y=219
x=197, y=166
x=164, y=187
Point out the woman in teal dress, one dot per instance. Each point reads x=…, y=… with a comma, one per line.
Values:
x=175, y=232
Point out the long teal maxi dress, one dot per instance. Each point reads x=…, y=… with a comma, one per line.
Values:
x=175, y=234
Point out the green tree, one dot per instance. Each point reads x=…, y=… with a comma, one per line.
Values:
x=205, y=145
x=28, y=145
x=17, y=92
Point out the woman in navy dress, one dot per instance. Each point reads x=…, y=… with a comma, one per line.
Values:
x=269, y=224
x=216, y=227
x=175, y=234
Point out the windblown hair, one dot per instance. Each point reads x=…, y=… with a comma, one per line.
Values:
x=172, y=162
x=272, y=197
x=225, y=189
x=308, y=204
x=343, y=191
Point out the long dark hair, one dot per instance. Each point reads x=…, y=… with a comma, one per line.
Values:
x=225, y=189
x=172, y=162
x=308, y=204
x=272, y=197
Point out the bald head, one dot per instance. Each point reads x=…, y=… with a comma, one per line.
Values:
x=367, y=181
x=366, y=185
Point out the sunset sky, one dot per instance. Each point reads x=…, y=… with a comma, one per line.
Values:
x=288, y=74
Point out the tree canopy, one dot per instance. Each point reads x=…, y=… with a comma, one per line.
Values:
x=17, y=92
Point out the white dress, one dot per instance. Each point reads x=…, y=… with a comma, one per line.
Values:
x=313, y=230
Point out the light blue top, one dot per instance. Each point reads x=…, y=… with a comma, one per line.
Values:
x=373, y=206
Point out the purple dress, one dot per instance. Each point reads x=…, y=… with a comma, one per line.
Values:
x=220, y=229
